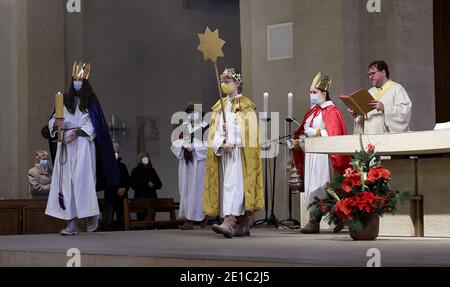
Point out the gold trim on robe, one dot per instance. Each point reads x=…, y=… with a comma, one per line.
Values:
x=380, y=93
x=245, y=111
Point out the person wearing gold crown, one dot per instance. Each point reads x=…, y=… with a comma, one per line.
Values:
x=322, y=119
x=85, y=160
x=233, y=181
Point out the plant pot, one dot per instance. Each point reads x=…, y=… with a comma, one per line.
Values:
x=370, y=229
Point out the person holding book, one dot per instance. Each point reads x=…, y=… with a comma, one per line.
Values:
x=391, y=105
x=322, y=119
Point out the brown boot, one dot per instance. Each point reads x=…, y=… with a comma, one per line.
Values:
x=313, y=225
x=188, y=225
x=226, y=228
x=242, y=228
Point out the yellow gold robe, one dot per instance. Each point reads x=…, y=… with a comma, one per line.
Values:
x=245, y=111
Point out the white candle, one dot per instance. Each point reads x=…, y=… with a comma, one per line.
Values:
x=266, y=102
x=290, y=100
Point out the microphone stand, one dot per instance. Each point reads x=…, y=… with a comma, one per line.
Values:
x=272, y=219
x=295, y=223
x=266, y=191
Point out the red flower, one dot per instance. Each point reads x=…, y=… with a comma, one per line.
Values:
x=348, y=171
x=351, y=179
x=386, y=173
x=383, y=201
x=366, y=201
x=377, y=173
x=374, y=175
x=370, y=148
x=344, y=209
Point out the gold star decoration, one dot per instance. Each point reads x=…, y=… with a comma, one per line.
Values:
x=211, y=45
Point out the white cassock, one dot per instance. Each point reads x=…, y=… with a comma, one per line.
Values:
x=77, y=179
x=191, y=175
x=231, y=174
x=397, y=110
x=317, y=166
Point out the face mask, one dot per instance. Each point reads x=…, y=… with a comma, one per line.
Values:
x=226, y=88
x=44, y=163
x=314, y=98
x=77, y=85
x=145, y=160
x=193, y=117
x=117, y=155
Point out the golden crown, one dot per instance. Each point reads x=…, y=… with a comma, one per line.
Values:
x=322, y=82
x=232, y=72
x=81, y=70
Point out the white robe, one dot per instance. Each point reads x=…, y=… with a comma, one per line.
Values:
x=231, y=174
x=317, y=166
x=397, y=112
x=78, y=175
x=191, y=175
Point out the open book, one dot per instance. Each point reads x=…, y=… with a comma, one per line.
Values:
x=359, y=101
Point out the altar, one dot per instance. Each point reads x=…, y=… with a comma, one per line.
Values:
x=429, y=152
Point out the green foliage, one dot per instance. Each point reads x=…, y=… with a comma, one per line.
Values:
x=362, y=191
x=355, y=225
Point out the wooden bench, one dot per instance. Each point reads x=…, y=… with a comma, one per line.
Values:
x=151, y=207
x=27, y=216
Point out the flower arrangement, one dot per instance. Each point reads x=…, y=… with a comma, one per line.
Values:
x=364, y=190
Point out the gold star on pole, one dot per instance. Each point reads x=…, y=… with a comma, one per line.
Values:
x=211, y=45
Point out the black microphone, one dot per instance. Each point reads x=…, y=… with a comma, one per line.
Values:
x=292, y=120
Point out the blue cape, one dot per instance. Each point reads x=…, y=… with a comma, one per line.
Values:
x=107, y=169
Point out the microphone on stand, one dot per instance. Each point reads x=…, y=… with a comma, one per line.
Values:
x=290, y=119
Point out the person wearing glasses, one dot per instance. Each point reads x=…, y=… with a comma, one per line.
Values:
x=392, y=106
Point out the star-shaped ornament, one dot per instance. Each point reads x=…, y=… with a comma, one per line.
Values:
x=211, y=45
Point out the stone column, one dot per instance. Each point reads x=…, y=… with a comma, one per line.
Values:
x=34, y=69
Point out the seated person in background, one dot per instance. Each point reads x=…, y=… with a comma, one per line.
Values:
x=39, y=176
x=144, y=180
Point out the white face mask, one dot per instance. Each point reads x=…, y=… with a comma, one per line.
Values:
x=117, y=155
x=145, y=160
x=43, y=163
x=193, y=117
x=77, y=84
x=314, y=98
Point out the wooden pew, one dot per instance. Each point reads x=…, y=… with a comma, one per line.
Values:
x=150, y=207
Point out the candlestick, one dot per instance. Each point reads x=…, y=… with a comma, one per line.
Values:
x=266, y=102
x=59, y=105
x=290, y=100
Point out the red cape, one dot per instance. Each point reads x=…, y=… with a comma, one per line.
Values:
x=335, y=126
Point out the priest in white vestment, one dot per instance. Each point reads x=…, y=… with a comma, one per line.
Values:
x=392, y=106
